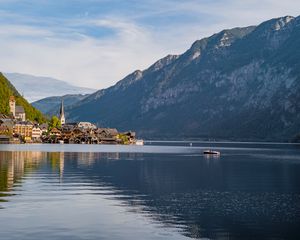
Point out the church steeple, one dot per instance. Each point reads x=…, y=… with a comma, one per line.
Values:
x=12, y=105
x=62, y=113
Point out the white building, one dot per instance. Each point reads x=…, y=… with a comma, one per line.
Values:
x=36, y=133
x=86, y=125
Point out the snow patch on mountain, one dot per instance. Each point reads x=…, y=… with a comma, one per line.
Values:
x=282, y=22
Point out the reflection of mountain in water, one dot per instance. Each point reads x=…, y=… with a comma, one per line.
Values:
x=206, y=197
x=214, y=198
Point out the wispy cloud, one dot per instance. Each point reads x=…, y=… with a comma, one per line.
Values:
x=74, y=56
x=95, y=43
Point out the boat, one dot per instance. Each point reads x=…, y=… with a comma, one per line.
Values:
x=139, y=142
x=211, y=152
x=61, y=141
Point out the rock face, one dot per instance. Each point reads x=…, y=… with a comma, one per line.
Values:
x=242, y=83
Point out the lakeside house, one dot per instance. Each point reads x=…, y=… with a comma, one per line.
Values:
x=23, y=129
x=36, y=133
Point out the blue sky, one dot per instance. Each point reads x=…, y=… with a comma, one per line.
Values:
x=95, y=43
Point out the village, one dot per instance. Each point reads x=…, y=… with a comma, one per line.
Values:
x=16, y=129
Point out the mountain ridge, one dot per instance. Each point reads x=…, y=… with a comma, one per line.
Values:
x=235, y=84
x=50, y=106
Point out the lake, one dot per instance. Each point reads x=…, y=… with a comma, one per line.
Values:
x=163, y=190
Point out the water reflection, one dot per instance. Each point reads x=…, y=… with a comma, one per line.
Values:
x=227, y=197
x=14, y=165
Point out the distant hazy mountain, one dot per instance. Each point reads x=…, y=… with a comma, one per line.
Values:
x=50, y=106
x=242, y=83
x=34, y=88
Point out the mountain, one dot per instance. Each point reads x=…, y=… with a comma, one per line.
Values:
x=50, y=106
x=241, y=83
x=35, y=88
x=7, y=90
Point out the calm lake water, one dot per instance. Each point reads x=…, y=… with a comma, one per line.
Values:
x=164, y=190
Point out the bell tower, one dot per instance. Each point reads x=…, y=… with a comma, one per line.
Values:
x=12, y=105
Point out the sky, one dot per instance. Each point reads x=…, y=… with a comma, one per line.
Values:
x=95, y=43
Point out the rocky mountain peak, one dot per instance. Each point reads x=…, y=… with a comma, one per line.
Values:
x=137, y=74
x=216, y=43
x=128, y=80
x=163, y=62
x=278, y=24
x=226, y=37
x=275, y=24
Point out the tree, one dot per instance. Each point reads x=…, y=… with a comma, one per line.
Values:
x=54, y=123
x=123, y=138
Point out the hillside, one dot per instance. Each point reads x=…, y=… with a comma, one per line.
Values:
x=241, y=83
x=7, y=90
x=34, y=88
x=50, y=106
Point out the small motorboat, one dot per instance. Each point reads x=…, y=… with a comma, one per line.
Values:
x=139, y=142
x=211, y=152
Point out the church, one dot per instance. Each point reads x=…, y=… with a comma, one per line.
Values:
x=16, y=111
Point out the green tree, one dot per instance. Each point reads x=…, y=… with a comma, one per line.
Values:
x=54, y=123
x=124, y=138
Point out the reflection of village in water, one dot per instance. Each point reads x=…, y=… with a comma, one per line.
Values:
x=14, y=166
x=18, y=165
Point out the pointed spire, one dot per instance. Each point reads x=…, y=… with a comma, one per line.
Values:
x=62, y=113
